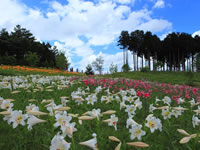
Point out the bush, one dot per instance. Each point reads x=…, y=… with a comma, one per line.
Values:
x=126, y=68
x=145, y=69
x=190, y=78
x=71, y=69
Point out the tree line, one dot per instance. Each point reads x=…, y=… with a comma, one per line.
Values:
x=20, y=47
x=177, y=52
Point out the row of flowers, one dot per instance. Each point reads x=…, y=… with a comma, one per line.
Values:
x=42, y=70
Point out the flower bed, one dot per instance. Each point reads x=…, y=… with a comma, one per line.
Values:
x=58, y=112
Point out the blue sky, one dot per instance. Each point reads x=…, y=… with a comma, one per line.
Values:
x=85, y=29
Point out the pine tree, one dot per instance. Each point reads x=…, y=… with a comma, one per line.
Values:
x=89, y=70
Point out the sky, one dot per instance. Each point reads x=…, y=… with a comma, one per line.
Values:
x=86, y=29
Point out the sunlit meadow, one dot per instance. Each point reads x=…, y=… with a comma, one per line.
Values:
x=60, y=113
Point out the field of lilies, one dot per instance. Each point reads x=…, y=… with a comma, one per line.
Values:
x=61, y=113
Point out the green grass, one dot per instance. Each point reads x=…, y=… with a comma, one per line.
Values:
x=161, y=77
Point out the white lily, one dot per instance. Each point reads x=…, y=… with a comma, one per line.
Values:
x=180, y=100
x=58, y=143
x=176, y=113
x=91, y=99
x=32, y=107
x=151, y=108
x=166, y=113
x=7, y=105
x=130, y=122
x=136, y=132
x=95, y=113
x=69, y=129
x=62, y=120
x=33, y=121
x=138, y=103
x=130, y=109
x=18, y=118
x=130, y=99
x=92, y=143
x=113, y=121
x=195, y=121
x=153, y=123
x=167, y=100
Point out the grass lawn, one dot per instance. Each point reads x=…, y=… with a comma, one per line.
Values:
x=192, y=79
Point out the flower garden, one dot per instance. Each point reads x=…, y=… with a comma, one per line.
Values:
x=29, y=70
x=60, y=113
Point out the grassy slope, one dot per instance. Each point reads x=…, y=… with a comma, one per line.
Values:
x=162, y=77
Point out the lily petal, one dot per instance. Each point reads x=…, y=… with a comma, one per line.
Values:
x=37, y=113
x=113, y=138
x=183, y=132
x=138, y=144
x=185, y=140
x=109, y=112
x=85, y=118
x=5, y=113
x=118, y=146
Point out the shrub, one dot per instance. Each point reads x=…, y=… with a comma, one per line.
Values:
x=145, y=69
x=190, y=78
x=71, y=69
x=126, y=68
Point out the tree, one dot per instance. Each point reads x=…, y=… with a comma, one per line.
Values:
x=113, y=68
x=89, y=70
x=98, y=64
x=62, y=62
x=4, y=42
x=197, y=62
x=32, y=59
x=22, y=40
x=135, y=46
x=15, y=46
x=123, y=41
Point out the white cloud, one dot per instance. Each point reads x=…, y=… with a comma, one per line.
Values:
x=9, y=10
x=125, y=1
x=196, y=33
x=156, y=25
x=164, y=35
x=100, y=23
x=159, y=4
x=120, y=1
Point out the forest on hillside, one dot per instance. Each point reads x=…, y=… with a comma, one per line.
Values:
x=20, y=47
